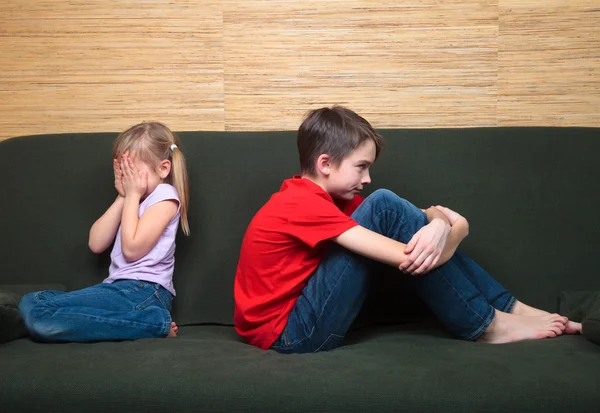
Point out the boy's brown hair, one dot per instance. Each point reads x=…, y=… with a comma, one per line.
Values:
x=335, y=131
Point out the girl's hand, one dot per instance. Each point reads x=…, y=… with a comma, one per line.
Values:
x=134, y=181
x=118, y=178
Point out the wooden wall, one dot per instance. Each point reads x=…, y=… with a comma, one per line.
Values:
x=78, y=66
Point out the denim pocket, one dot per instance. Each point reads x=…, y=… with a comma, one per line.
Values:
x=151, y=300
x=295, y=333
x=156, y=296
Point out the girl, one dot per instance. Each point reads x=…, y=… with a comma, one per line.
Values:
x=135, y=300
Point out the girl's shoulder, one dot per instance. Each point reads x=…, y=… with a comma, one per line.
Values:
x=165, y=190
x=162, y=192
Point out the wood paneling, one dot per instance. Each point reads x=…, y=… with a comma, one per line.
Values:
x=422, y=64
x=549, y=63
x=79, y=66
x=74, y=66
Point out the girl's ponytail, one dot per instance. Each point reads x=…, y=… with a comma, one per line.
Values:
x=179, y=178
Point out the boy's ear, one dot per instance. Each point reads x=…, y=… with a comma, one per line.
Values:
x=324, y=164
x=164, y=169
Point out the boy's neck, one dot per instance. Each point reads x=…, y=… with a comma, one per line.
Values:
x=316, y=180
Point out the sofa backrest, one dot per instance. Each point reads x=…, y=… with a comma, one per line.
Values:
x=530, y=194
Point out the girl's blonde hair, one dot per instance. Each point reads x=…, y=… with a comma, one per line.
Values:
x=151, y=143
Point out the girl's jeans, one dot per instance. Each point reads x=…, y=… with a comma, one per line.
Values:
x=123, y=310
x=460, y=293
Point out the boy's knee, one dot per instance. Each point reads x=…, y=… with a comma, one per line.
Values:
x=391, y=200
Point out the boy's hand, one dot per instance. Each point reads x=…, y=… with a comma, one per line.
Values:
x=118, y=178
x=426, y=247
x=451, y=215
x=134, y=181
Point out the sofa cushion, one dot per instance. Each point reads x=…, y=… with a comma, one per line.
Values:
x=412, y=368
x=591, y=325
x=514, y=185
x=584, y=307
x=11, y=322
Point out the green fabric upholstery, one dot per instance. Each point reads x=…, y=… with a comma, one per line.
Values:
x=522, y=190
x=385, y=369
x=591, y=326
x=525, y=192
x=11, y=322
x=583, y=306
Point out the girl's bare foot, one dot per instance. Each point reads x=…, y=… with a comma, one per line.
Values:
x=507, y=328
x=520, y=308
x=174, y=330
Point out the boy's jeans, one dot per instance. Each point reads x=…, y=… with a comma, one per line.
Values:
x=461, y=294
x=123, y=310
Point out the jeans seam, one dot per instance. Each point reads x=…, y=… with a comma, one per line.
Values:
x=110, y=321
x=399, y=215
x=401, y=219
x=482, y=327
x=144, y=303
x=296, y=343
x=328, y=299
x=165, y=305
x=312, y=330
x=326, y=340
x=57, y=299
x=287, y=345
x=46, y=304
x=485, y=322
x=509, y=305
x=167, y=325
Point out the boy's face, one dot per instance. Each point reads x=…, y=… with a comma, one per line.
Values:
x=349, y=177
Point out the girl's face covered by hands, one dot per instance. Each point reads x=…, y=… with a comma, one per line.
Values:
x=137, y=177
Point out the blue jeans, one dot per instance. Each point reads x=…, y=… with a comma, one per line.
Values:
x=460, y=293
x=123, y=310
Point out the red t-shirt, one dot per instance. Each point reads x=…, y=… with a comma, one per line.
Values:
x=282, y=247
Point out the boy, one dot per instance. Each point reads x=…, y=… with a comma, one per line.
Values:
x=305, y=260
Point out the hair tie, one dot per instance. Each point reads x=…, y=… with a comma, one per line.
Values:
x=173, y=147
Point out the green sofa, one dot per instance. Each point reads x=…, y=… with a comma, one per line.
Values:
x=531, y=196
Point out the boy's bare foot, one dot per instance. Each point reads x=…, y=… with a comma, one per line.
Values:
x=174, y=330
x=520, y=308
x=523, y=309
x=507, y=328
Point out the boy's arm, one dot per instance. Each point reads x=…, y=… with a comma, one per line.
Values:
x=428, y=245
x=389, y=251
x=372, y=245
x=460, y=230
x=435, y=243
